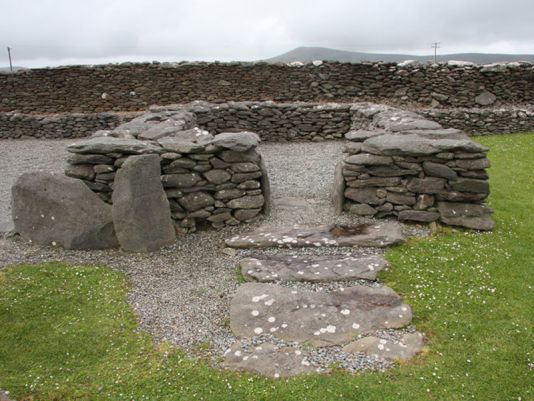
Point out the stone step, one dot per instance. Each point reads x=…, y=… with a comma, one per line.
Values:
x=408, y=346
x=267, y=268
x=370, y=235
x=317, y=318
x=267, y=360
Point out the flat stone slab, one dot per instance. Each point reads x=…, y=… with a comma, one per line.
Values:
x=105, y=145
x=317, y=318
x=409, y=345
x=376, y=235
x=418, y=145
x=311, y=268
x=267, y=360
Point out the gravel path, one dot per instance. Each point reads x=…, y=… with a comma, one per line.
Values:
x=182, y=293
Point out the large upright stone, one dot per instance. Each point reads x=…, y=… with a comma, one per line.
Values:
x=51, y=209
x=141, y=211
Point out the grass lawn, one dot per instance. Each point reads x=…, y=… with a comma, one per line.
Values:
x=67, y=332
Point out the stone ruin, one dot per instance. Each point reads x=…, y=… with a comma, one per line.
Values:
x=139, y=185
x=401, y=165
x=144, y=182
x=159, y=175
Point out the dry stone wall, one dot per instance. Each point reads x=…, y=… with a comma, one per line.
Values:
x=58, y=126
x=133, y=87
x=271, y=120
x=217, y=180
x=402, y=165
x=483, y=121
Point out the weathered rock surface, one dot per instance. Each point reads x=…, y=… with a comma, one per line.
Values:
x=311, y=268
x=378, y=235
x=141, y=211
x=361, y=135
x=409, y=345
x=267, y=360
x=52, y=209
x=415, y=145
x=188, y=141
x=317, y=318
x=4, y=396
x=105, y=145
x=338, y=189
x=237, y=141
x=468, y=215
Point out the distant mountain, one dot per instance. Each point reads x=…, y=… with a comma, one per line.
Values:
x=309, y=54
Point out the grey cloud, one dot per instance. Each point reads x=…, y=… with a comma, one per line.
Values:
x=49, y=31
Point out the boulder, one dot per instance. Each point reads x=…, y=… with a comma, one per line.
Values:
x=51, y=209
x=237, y=141
x=141, y=211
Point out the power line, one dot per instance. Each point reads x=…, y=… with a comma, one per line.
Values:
x=9, y=55
x=435, y=46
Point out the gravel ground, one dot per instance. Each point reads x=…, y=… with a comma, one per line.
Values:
x=182, y=293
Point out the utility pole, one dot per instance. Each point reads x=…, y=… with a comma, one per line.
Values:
x=435, y=46
x=9, y=55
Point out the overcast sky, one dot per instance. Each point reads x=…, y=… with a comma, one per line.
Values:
x=54, y=32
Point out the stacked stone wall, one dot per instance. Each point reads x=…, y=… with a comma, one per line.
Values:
x=404, y=166
x=133, y=87
x=217, y=180
x=272, y=121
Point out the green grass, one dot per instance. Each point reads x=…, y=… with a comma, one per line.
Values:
x=67, y=332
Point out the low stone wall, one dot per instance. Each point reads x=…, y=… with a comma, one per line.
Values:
x=58, y=126
x=219, y=180
x=483, y=121
x=275, y=121
x=402, y=165
x=272, y=121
